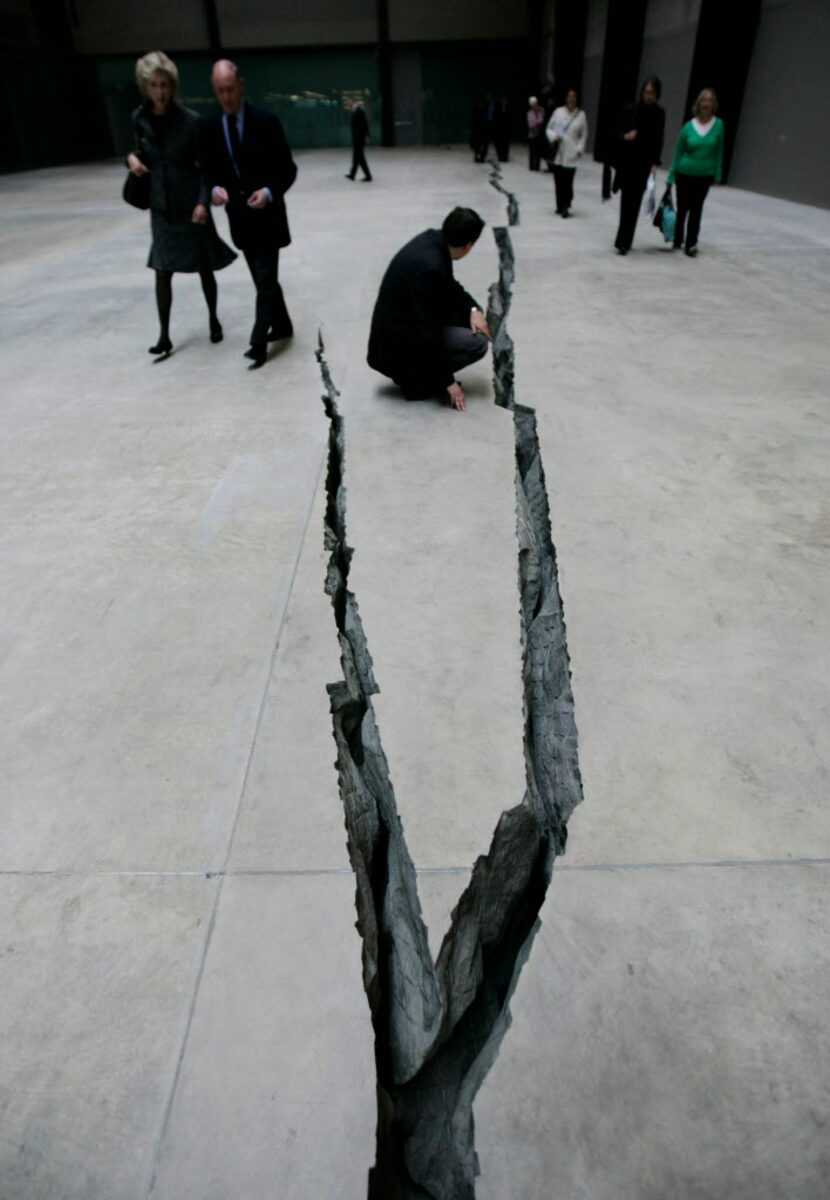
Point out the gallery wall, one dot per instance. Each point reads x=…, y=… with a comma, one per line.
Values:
x=668, y=49
x=768, y=59
x=52, y=108
x=782, y=138
x=302, y=64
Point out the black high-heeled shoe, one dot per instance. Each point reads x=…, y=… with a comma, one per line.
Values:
x=216, y=331
x=162, y=348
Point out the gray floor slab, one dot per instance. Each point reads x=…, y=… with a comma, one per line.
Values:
x=666, y=1041
x=685, y=443
x=97, y=977
x=277, y=1091
x=437, y=586
x=152, y=520
x=291, y=818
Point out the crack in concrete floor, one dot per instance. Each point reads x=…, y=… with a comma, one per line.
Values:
x=438, y=1024
x=512, y=202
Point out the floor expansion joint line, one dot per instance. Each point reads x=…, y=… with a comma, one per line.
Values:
x=690, y=865
x=438, y=1024
x=222, y=874
x=288, y=872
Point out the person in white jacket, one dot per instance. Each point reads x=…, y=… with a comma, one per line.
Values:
x=567, y=133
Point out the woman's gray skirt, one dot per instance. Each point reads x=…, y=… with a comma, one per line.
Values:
x=181, y=245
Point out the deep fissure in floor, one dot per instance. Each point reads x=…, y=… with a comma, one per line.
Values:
x=438, y=1025
x=512, y=202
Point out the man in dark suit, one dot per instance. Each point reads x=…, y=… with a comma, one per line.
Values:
x=502, y=120
x=248, y=168
x=360, y=136
x=425, y=326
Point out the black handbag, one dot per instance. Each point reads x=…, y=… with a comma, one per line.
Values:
x=137, y=190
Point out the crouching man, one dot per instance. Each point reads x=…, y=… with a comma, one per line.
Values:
x=425, y=327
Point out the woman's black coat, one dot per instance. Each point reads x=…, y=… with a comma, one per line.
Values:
x=635, y=159
x=176, y=184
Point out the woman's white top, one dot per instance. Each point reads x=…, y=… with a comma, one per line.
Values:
x=572, y=130
x=702, y=129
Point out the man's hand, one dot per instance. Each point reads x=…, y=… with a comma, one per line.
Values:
x=478, y=324
x=219, y=196
x=630, y=136
x=136, y=165
x=258, y=199
x=456, y=395
x=200, y=215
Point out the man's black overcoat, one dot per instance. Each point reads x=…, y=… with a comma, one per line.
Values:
x=418, y=297
x=360, y=127
x=266, y=162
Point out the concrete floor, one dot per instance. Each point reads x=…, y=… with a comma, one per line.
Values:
x=182, y=1011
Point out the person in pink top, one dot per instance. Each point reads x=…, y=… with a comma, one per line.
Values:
x=535, y=130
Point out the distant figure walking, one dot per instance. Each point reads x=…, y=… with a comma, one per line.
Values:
x=481, y=127
x=425, y=326
x=697, y=164
x=548, y=102
x=502, y=118
x=184, y=236
x=639, y=146
x=567, y=133
x=360, y=136
x=535, y=133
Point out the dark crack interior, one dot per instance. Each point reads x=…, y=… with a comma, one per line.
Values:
x=512, y=202
x=498, y=307
x=438, y=1024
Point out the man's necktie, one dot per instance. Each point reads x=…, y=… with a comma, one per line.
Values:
x=236, y=145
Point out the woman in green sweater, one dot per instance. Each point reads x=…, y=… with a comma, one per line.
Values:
x=697, y=163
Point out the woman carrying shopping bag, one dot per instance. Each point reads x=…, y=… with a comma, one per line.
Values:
x=697, y=164
x=567, y=133
x=640, y=145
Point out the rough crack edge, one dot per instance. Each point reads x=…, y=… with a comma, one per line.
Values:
x=496, y=182
x=498, y=307
x=438, y=1025
x=551, y=745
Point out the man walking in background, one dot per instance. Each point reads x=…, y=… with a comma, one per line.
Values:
x=248, y=168
x=360, y=136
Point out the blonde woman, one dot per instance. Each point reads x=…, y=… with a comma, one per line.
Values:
x=697, y=164
x=567, y=133
x=184, y=236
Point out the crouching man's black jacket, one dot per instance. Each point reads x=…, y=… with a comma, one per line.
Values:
x=418, y=298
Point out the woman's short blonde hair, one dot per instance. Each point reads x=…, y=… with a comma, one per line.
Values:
x=147, y=66
x=706, y=92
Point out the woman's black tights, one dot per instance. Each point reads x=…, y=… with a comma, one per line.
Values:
x=164, y=299
x=210, y=290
